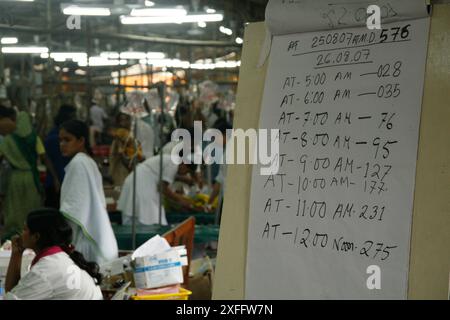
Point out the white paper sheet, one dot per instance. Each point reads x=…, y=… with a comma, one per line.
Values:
x=348, y=105
x=294, y=16
x=155, y=245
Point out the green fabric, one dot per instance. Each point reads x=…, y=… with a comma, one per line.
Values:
x=10, y=150
x=27, y=147
x=26, y=138
x=85, y=233
x=22, y=194
x=79, y=224
x=21, y=197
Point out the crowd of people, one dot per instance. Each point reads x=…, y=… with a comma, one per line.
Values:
x=64, y=217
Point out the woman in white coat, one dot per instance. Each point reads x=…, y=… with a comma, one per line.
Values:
x=82, y=197
x=147, y=190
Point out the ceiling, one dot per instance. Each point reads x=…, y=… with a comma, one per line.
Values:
x=42, y=22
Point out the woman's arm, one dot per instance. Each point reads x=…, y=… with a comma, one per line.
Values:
x=175, y=196
x=214, y=193
x=185, y=178
x=13, y=273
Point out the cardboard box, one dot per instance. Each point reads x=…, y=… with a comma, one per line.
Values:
x=159, y=270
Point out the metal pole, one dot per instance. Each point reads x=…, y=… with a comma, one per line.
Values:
x=2, y=68
x=219, y=207
x=120, y=72
x=50, y=66
x=189, y=71
x=49, y=27
x=133, y=223
x=209, y=175
x=151, y=74
x=88, y=70
x=162, y=90
x=118, y=90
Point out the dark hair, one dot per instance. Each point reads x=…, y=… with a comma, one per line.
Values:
x=80, y=130
x=183, y=109
x=54, y=230
x=6, y=112
x=66, y=112
x=192, y=167
x=121, y=114
x=222, y=125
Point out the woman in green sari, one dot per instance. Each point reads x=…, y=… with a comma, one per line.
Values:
x=23, y=191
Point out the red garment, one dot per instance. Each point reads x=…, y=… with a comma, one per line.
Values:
x=46, y=252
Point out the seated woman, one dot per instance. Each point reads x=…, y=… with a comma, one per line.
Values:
x=57, y=272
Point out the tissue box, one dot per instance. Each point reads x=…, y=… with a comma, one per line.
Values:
x=159, y=270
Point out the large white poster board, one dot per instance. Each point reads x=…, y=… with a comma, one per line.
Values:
x=347, y=103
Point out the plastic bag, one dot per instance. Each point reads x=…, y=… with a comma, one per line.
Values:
x=208, y=92
x=134, y=106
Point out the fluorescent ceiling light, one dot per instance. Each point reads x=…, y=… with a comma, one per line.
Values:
x=239, y=40
x=156, y=55
x=110, y=55
x=207, y=64
x=133, y=55
x=204, y=61
x=227, y=64
x=227, y=31
x=149, y=3
x=63, y=56
x=203, y=66
x=101, y=61
x=209, y=10
x=158, y=12
x=202, y=24
x=203, y=17
x=86, y=11
x=80, y=72
x=182, y=19
x=24, y=49
x=169, y=63
x=9, y=40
